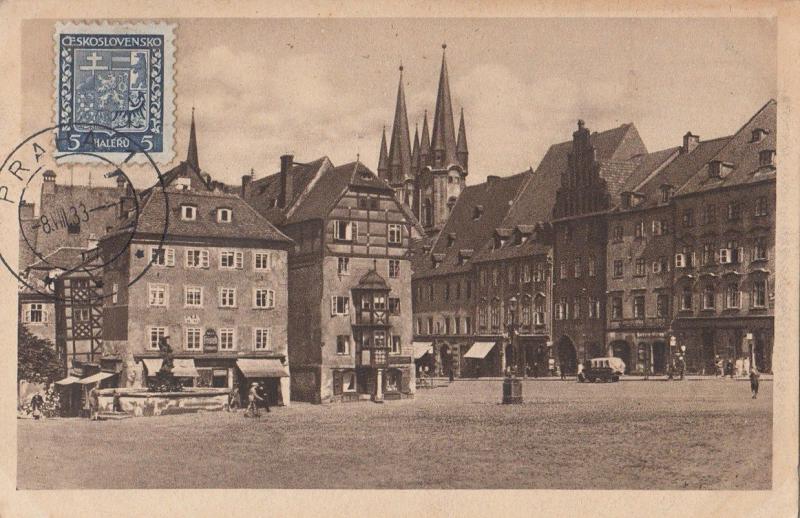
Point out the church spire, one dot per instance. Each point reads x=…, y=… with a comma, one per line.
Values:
x=424, y=143
x=191, y=155
x=461, y=146
x=443, y=142
x=400, y=146
x=383, y=159
x=415, y=151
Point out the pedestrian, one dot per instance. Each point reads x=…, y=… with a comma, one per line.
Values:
x=94, y=403
x=720, y=368
x=117, y=402
x=233, y=398
x=262, y=391
x=37, y=402
x=535, y=369
x=551, y=367
x=253, y=399
x=729, y=367
x=580, y=376
x=682, y=366
x=452, y=375
x=562, y=367
x=754, y=376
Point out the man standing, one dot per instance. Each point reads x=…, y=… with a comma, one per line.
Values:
x=94, y=403
x=37, y=402
x=262, y=391
x=253, y=398
x=233, y=398
x=754, y=376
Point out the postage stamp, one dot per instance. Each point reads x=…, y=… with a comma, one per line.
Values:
x=116, y=76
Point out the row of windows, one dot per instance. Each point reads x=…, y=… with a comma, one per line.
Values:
x=733, y=212
x=709, y=256
x=638, y=306
x=577, y=268
x=343, y=267
x=530, y=311
x=341, y=305
x=189, y=213
x=193, y=338
x=658, y=227
x=348, y=231
x=199, y=258
x=449, y=291
x=563, y=310
x=447, y=326
x=194, y=297
x=344, y=343
x=514, y=274
x=731, y=296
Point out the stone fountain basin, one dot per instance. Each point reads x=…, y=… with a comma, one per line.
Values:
x=141, y=403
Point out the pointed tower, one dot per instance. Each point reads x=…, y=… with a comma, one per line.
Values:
x=400, y=146
x=383, y=159
x=415, y=152
x=425, y=144
x=461, y=146
x=191, y=155
x=443, y=141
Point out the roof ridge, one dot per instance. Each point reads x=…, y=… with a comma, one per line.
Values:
x=737, y=132
x=310, y=185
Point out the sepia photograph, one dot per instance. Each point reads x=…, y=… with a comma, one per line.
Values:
x=430, y=253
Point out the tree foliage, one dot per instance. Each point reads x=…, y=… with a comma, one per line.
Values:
x=37, y=359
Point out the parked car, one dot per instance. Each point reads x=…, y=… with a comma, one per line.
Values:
x=603, y=369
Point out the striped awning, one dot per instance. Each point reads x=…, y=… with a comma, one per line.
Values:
x=479, y=350
x=262, y=368
x=421, y=349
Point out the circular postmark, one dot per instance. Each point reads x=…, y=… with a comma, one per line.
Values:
x=73, y=227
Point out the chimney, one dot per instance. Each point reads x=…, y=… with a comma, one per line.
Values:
x=285, y=196
x=491, y=179
x=690, y=142
x=246, y=179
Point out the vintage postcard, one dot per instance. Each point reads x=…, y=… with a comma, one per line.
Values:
x=553, y=252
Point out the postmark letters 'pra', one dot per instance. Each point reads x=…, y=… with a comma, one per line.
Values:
x=114, y=90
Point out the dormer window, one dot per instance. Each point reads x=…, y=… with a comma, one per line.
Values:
x=224, y=215
x=183, y=184
x=714, y=168
x=451, y=239
x=188, y=212
x=626, y=200
x=666, y=193
x=758, y=135
x=766, y=157
x=477, y=212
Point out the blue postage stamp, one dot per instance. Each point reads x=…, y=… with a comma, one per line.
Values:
x=114, y=90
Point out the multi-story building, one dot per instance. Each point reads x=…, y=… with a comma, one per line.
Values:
x=639, y=269
x=350, y=331
x=430, y=177
x=593, y=168
x=445, y=285
x=724, y=266
x=513, y=271
x=212, y=284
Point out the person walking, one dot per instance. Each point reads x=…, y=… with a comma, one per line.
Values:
x=94, y=403
x=562, y=367
x=117, y=402
x=262, y=391
x=580, y=376
x=37, y=403
x=754, y=377
x=233, y=399
x=253, y=399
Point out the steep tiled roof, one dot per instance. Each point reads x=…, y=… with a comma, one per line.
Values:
x=491, y=200
x=320, y=198
x=264, y=192
x=246, y=222
x=740, y=151
x=648, y=165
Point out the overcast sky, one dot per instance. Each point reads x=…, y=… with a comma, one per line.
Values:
x=326, y=87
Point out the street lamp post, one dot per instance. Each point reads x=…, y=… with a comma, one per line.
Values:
x=512, y=332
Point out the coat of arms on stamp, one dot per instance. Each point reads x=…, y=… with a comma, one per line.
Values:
x=114, y=89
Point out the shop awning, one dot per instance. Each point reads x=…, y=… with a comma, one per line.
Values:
x=262, y=368
x=479, y=350
x=69, y=380
x=421, y=349
x=96, y=378
x=184, y=367
x=153, y=365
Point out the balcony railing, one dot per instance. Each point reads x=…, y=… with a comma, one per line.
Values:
x=635, y=323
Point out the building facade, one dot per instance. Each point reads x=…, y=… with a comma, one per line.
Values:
x=213, y=287
x=349, y=279
x=724, y=280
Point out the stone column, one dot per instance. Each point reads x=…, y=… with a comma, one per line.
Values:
x=379, y=386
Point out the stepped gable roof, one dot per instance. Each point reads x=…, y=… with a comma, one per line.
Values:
x=742, y=153
x=246, y=223
x=495, y=197
x=264, y=193
x=328, y=186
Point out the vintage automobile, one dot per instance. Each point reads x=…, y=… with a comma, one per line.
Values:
x=602, y=369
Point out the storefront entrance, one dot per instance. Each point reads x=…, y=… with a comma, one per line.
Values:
x=660, y=357
x=622, y=349
x=567, y=356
